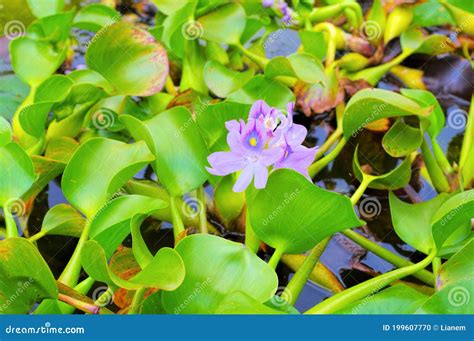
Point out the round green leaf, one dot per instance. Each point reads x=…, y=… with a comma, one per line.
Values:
x=18, y=173
x=293, y=215
x=224, y=25
x=5, y=132
x=63, y=220
x=24, y=277
x=95, y=16
x=215, y=268
x=129, y=58
x=458, y=267
x=369, y=105
x=111, y=224
x=180, y=151
x=299, y=65
x=45, y=8
x=98, y=168
x=222, y=81
x=402, y=139
x=396, y=178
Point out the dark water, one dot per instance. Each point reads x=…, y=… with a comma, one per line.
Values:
x=445, y=76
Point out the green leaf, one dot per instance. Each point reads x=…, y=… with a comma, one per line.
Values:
x=211, y=121
x=169, y=6
x=98, y=168
x=222, y=81
x=193, y=68
x=229, y=204
x=293, y=215
x=42, y=61
x=171, y=131
x=12, y=93
x=260, y=87
x=165, y=271
x=414, y=40
x=240, y=303
x=430, y=13
x=414, y=224
x=63, y=220
x=95, y=16
x=369, y=105
x=314, y=43
x=452, y=299
x=301, y=66
x=24, y=277
x=111, y=225
x=54, y=29
x=129, y=58
x=453, y=218
x=397, y=299
x=45, y=8
x=224, y=25
x=426, y=99
x=396, y=178
x=17, y=172
x=5, y=132
x=216, y=267
x=458, y=267
x=402, y=139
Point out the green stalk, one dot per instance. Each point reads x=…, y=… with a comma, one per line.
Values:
x=37, y=236
x=336, y=134
x=441, y=157
x=251, y=239
x=327, y=12
x=11, y=228
x=202, y=209
x=273, y=262
x=296, y=284
x=78, y=304
x=366, y=180
x=436, y=265
x=370, y=287
x=466, y=163
x=399, y=262
x=72, y=271
x=259, y=60
x=317, y=166
x=178, y=225
x=137, y=301
x=330, y=29
x=436, y=174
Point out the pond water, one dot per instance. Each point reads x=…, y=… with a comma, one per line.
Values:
x=446, y=77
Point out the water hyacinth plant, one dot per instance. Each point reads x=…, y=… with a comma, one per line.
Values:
x=236, y=157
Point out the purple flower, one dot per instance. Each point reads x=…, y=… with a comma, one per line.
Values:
x=268, y=139
x=248, y=154
x=267, y=3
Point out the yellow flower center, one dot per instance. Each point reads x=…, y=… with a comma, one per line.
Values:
x=253, y=141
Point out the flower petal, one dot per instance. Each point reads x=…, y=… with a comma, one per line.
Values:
x=224, y=163
x=258, y=109
x=260, y=176
x=244, y=179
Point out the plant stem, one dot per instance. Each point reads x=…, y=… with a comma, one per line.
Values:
x=389, y=256
x=72, y=271
x=202, y=209
x=137, y=301
x=259, y=60
x=10, y=223
x=466, y=163
x=436, y=174
x=370, y=287
x=441, y=158
x=37, y=236
x=336, y=134
x=169, y=86
x=273, y=262
x=317, y=166
x=178, y=226
x=296, y=284
x=330, y=29
x=436, y=265
x=251, y=239
x=78, y=304
x=366, y=180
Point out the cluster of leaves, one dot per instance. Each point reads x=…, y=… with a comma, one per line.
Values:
x=96, y=127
